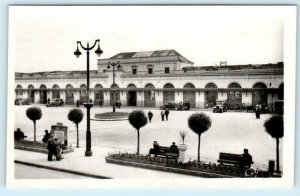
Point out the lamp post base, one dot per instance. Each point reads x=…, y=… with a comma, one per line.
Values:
x=88, y=153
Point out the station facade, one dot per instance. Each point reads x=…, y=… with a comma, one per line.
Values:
x=154, y=78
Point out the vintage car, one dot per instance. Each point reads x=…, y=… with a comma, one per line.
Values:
x=221, y=106
x=263, y=108
x=21, y=101
x=55, y=102
x=173, y=105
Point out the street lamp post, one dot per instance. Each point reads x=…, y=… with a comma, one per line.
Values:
x=114, y=86
x=88, y=105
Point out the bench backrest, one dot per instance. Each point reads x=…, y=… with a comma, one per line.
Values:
x=230, y=156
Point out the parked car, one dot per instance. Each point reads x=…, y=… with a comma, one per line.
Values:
x=221, y=106
x=21, y=101
x=173, y=105
x=55, y=102
x=263, y=108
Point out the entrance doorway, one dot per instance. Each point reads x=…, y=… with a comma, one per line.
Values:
x=43, y=94
x=234, y=96
x=168, y=95
x=211, y=95
x=131, y=95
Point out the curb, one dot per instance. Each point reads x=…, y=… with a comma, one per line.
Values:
x=202, y=174
x=109, y=119
x=62, y=170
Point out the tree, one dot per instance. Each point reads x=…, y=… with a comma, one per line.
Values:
x=76, y=116
x=274, y=127
x=199, y=123
x=34, y=114
x=137, y=119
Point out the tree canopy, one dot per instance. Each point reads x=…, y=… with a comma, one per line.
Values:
x=199, y=122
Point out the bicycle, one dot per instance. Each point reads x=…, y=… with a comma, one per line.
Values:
x=252, y=172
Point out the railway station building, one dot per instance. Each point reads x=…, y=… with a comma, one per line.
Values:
x=154, y=78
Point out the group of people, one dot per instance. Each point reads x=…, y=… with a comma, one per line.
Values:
x=156, y=147
x=118, y=104
x=19, y=135
x=53, y=145
x=163, y=113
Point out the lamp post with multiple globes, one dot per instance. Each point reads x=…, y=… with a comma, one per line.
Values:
x=88, y=105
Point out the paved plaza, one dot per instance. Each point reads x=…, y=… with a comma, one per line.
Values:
x=230, y=132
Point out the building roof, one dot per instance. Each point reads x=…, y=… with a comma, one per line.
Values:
x=154, y=53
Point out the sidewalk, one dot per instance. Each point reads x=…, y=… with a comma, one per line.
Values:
x=94, y=166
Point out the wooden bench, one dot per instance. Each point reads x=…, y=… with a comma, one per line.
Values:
x=231, y=159
x=169, y=153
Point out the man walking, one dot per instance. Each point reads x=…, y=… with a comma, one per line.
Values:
x=51, y=148
x=257, y=112
x=150, y=115
x=162, y=113
x=167, y=114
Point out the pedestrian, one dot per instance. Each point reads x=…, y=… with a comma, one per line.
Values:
x=19, y=135
x=77, y=103
x=61, y=102
x=58, y=149
x=173, y=145
x=246, y=160
x=51, y=147
x=150, y=115
x=162, y=113
x=257, y=112
x=100, y=102
x=167, y=113
x=156, y=148
x=48, y=101
x=46, y=137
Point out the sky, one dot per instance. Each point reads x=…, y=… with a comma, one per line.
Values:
x=43, y=38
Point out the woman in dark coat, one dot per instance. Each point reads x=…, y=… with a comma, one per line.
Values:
x=150, y=116
x=51, y=147
x=257, y=112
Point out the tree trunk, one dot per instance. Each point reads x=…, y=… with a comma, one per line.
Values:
x=199, y=135
x=34, y=127
x=138, y=141
x=277, y=154
x=77, y=136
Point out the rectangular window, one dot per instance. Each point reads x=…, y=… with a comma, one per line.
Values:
x=133, y=71
x=167, y=70
x=150, y=70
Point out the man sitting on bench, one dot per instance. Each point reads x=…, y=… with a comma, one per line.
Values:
x=156, y=148
x=246, y=159
x=173, y=145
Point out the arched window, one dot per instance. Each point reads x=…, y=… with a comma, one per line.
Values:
x=69, y=94
x=234, y=95
x=19, y=92
x=131, y=95
x=189, y=96
x=168, y=95
x=31, y=93
x=43, y=94
x=281, y=92
x=98, y=97
x=259, y=95
x=211, y=95
x=55, y=91
x=149, y=95
x=114, y=94
x=83, y=93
